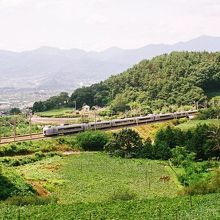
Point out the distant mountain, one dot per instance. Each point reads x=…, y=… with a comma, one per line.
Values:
x=53, y=68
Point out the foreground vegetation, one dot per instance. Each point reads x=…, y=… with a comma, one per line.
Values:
x=68, y=183
x=187, y=208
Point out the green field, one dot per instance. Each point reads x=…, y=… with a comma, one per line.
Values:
x=61, y=112
x=194, y=123
x=96, y=177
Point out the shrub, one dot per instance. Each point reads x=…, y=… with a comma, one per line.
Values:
x=181, y=157
x=30, y=200
x=209, y=113
x=123, y=194
x=92, y=140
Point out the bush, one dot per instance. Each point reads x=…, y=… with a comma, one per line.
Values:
x=92, y=140
x=15, y=149
x=30, y=200
x=204, y=185
x=123, y=194
x=209, y=113
x=181, y=157
x=12, y=162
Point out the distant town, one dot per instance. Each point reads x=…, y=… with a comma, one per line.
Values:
x=22, y=98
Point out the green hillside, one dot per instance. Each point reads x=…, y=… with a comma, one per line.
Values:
x=175, y=79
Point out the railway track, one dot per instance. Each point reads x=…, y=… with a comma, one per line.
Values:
x=26, y=137
x=40, y=136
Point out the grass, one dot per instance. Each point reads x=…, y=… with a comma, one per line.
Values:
x=194, y=123
x=147, y=130
x=61, y=112
x=96, y=177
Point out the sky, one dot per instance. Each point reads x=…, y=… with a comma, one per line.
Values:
x=100, y=24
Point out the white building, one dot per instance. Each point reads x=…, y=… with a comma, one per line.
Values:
x=86, y=108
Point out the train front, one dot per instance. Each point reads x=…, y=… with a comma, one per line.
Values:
x=50, y=131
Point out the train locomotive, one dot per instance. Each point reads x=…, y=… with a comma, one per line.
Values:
x=75, y=128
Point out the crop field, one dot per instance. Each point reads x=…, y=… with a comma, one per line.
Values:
x=96, y=177
x=185, y=208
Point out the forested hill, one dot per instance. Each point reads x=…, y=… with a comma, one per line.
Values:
x=178, y=78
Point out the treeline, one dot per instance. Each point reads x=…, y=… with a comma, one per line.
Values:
x=167, y=81
x=61, y=100
x=203, y=141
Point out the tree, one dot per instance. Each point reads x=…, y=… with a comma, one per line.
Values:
x=15, y=111
x=120, y=103
x=125, y=143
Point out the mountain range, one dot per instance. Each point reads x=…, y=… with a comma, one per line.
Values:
x=51, y=68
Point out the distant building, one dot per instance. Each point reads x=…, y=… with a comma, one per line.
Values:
x=85, y=108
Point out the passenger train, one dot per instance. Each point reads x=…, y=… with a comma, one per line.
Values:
x=69, y=129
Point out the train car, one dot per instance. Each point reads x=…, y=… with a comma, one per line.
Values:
x=192, y=112
x=50, y=130
x=179, y=114
x=62, y=129
x=68, y=129
x=122, y=122
x=99, y=125
x=162, y=117
x=145, y=119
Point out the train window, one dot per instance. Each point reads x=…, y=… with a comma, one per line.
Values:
x=69, y=128
x=141, y=119
x=163, y=116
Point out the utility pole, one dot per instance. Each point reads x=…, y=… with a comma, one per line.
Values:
x=0, y=129
x=30, y=122
x=74, y=105
x=94, y=108
x=95, y=118
x=14, y=124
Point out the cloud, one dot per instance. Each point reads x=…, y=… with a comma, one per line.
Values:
x=98, y=24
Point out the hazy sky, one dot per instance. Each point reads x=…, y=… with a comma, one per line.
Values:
x=99, y=24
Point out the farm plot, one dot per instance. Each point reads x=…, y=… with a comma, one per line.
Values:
x=96, y=177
